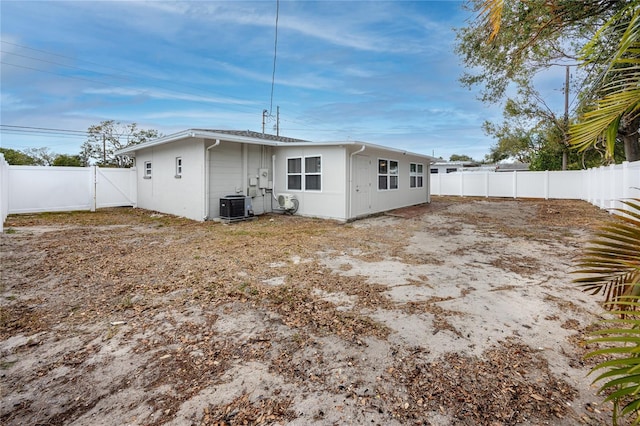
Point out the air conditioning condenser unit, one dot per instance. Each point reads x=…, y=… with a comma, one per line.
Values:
x=235, y=207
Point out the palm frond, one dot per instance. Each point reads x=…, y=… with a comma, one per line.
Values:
x=611, y=263
x=491, y=15
x=619, y=90
x=621, y=375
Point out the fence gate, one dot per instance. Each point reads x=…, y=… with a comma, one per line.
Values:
x=114, y=188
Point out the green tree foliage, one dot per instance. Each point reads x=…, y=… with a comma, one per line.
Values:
x=17, y=158
x=542, y=147
x=68, y=160
x=612, y=105
x=511, y=41
x=42, y=156
x=459, y=157
x=513, y=142
x=109, y=136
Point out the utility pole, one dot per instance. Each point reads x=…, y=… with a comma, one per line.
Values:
x=565, y=148
x=278, y=120
x=104, y=149
x=264, y=119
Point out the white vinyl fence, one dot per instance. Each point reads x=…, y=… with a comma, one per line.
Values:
x=4, y=190
x=33, y=189
x=602, y=186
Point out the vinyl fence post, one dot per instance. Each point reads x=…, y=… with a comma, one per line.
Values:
x=601, y=183
x=612, y=186
x=515, y=184
x=94, y=185
x=626, y=180
x=486, y=184
x=133, y=184
x=546, y=184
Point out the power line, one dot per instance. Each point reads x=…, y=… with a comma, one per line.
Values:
x=126, y=76
x=122, y=75
x=42, y=128
x=275, y=51
x=53, y=73
x=6, y=128
x=195, y=96
x=132, y=77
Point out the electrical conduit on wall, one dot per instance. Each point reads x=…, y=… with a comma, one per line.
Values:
x=206, y=207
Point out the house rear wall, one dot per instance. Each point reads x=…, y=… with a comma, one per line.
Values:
x=385, y=200
x=165, y=192
x=330, y=201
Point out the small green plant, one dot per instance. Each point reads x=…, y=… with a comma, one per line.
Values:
x=111, y=333
x=10, y=231
x=5, y=365
x=126, y=302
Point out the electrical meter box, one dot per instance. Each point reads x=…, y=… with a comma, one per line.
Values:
x=263, y=178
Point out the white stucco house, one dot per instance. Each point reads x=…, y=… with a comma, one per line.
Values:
x=190, y=172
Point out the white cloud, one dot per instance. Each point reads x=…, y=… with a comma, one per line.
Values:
x=167, y=95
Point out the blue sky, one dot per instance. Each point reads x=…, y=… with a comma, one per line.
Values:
x=375, y=71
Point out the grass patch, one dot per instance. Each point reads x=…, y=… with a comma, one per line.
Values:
x=5, y=365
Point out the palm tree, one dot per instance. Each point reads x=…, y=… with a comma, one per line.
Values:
x=613, y=101
x=616, y=110
x=611, y=265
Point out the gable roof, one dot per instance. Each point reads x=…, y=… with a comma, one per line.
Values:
x=247, y=136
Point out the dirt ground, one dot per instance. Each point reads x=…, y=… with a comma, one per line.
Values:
x=460, y=312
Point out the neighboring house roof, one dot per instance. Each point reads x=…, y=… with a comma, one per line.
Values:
x=457, y=163
x=247, y=136
x=512, y=167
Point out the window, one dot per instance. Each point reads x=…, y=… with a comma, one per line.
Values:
x=312, y=175
x=147, y=169
x=308, y=167
x=452, y=170
x=178, y=167
x=294, y=173
x=387, y=174
x=416, y=175
x=434, y=171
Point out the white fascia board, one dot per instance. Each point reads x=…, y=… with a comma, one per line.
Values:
x=429, y=158
x=192, y=133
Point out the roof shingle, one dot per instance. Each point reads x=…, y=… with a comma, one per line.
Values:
x=252, y=134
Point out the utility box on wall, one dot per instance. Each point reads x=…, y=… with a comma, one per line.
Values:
x=263, y=178
x=235, y=207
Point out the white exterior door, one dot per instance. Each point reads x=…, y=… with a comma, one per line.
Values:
x=362, y=186
x=225, y=174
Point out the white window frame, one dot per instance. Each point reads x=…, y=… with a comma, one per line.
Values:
x=389, y=174
x=303, y=174
x=147, y=170
x=306, y=173
x=416, y=175
x=178, y=168
x=294, y=173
